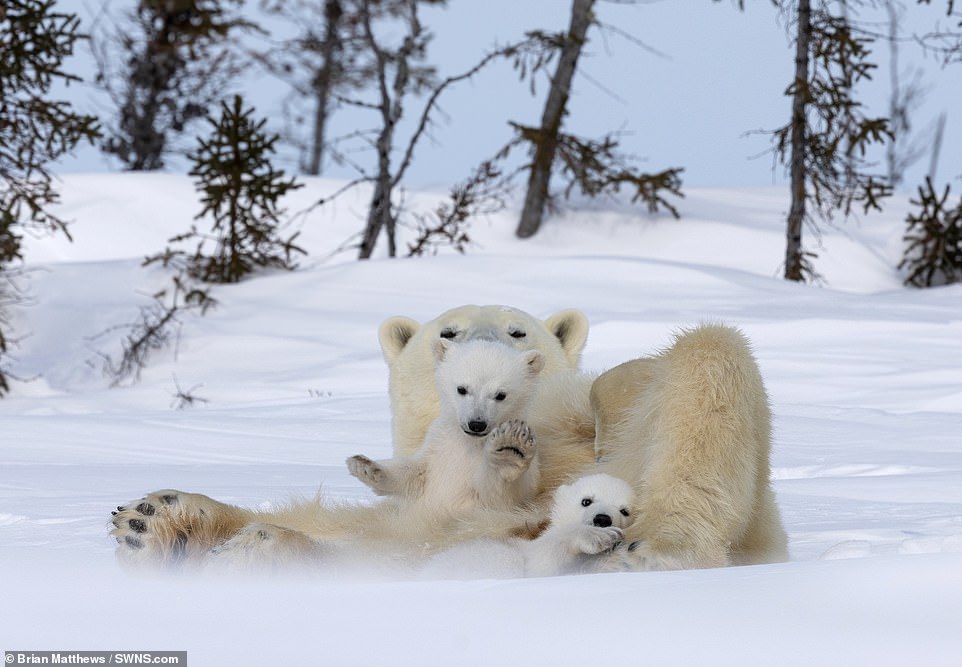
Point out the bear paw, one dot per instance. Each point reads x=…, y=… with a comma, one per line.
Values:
x=167, y=528
x=369, y=472
x=147, y=531
x=596, y=539
x=641, y=557
x=510, y=448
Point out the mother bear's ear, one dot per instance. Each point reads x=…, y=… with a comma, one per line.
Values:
x=394, y=334
x=570, y=327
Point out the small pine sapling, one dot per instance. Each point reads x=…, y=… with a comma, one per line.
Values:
x=240, y=191
x=933, y=252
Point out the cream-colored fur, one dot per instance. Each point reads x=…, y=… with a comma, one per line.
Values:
x=689, y=428
x=477, y=452
x=588, y=518
x=407, y=347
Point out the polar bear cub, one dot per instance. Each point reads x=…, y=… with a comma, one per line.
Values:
x=478, y=453
x=588, y=517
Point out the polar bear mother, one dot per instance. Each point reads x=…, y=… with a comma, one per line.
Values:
x=689, y=428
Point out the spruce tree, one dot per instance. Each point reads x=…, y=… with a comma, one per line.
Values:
x=933, y=252
x=825, y=142
x=240, y=192
x=34, y=130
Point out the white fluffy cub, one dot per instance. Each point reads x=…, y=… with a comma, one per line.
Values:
x=588, y=517
x=478, y=453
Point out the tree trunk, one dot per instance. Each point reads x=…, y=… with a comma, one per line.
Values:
x=322, y=83
x=554, y=109
x=378, y=214
x=794, y=259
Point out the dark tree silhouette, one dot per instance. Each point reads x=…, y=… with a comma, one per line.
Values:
x=825, y=142
x=595, y=166
x=177, y=62
x=933, y=251
x=34, y=131
x=544, y=140
x=241, y=193
x=324, y=59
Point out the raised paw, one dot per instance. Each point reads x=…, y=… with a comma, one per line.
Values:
x=168, y=528
x=367, y=471
x=594, y=540
x=142, y=529
x=511, y=438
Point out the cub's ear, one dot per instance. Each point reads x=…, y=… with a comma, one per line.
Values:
x=440, y=349
x=394, y=334
x=535, y=361
x=570, y=327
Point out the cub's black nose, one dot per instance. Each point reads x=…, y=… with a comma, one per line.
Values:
x=602, y=520
x=478, y=426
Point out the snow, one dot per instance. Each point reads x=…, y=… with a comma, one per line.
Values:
x=865, y=379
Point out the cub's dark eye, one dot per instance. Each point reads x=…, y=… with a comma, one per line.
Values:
x=585, y=502
x=517, y=333
x=624, y=512
x=449, y=333
x=500, y=396
x=463, y=391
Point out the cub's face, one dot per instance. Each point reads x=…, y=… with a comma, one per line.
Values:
x=483, y=384
x=595, y=500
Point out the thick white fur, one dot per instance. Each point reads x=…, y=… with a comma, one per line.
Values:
x=588, y=518
x=408, y=349
x=477, y=453
x=689, y=428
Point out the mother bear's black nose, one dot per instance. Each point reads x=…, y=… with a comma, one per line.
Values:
x=602, y=520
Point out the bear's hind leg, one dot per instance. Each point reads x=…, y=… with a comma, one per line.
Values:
x=264, y=547
x=171, y=528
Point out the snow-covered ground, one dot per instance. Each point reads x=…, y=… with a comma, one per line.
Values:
x=865, y=379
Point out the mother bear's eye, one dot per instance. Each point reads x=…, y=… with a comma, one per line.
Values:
x=624, y=512
x=463, y=391
x=500, y=396
x=517, y=333
x=449, y=332
x=585, y=502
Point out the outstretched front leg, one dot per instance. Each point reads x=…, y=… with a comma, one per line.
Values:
x=402, y=476
x=172, y=528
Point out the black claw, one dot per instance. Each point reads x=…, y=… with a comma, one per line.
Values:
x=634, y=545
x=120, y=508
x=113, y=514
x=133, y=542
x=137, y=526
